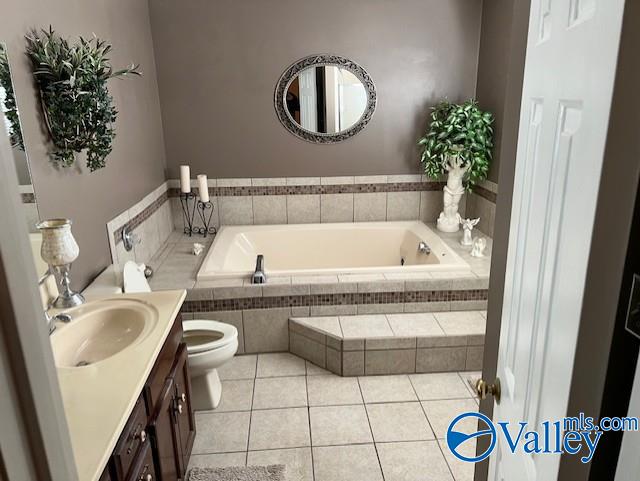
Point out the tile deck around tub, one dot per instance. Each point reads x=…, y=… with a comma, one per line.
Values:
x=176, y=268
x=351, y=429
x=391, y=344
x=261, y=312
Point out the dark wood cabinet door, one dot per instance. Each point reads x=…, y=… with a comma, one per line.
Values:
x=164, y=436
x=105, y=475
x=144, y=468
x=154, y=386
x=184, y=412
x=133, y=438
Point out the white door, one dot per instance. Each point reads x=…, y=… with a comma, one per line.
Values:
x=568, y=82
x=308, y=100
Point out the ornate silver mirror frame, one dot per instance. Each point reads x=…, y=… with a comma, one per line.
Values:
x=318, y=61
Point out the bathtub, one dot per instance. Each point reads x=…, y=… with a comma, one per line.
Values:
x=327, y=249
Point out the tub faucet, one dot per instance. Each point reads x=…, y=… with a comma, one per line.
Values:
x=259, y=277
x=423, y=248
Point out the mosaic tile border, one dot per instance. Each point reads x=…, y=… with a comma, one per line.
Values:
x=485, y=194
x=365, y=188
x=309, y=300
x=141, y=217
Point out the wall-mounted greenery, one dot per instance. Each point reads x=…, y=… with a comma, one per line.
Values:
x=9, y=106
x=78, y=109
x=460, y=133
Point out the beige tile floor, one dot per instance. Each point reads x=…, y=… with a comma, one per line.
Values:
x=278, y=408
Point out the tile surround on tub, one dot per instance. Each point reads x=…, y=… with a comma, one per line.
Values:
x=482, y=203
x=262, y=311
x=265, y=309
x=303, y=200
x=221, y=301
x=151, y=220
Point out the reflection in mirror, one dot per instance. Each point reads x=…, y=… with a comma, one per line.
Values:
x=11, y=121
x=326, y=99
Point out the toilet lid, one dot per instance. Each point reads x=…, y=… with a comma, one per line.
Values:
x=134, y=279
x=204, y=335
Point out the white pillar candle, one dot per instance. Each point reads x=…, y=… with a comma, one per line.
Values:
x=204, y=188
x=185, y=179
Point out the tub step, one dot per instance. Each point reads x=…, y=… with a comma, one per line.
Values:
x=391, y=343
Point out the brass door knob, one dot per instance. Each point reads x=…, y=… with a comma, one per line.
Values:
x=483, y=389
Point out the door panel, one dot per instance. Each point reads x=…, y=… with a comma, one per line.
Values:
x=308, y=100
x=164, y=436
x=568, y=84
x=185, y=420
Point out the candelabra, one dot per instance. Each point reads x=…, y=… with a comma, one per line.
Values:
x=205, y=211
x=188, y=204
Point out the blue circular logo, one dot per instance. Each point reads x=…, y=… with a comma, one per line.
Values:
x=456, y=439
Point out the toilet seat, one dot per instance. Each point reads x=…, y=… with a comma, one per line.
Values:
x=197, y=333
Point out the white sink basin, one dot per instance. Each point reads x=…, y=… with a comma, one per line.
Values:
x=100, y=330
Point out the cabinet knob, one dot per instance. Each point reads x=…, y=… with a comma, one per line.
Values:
x=183, y=397
x=180, y=408
x=142, y=436
x=148, y=477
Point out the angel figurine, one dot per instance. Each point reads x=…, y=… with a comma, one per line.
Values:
x=479, y=245
x=467, y=226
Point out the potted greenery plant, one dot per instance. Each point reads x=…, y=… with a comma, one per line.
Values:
x=458, y=143
x=76, y=103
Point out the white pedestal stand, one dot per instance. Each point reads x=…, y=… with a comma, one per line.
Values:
x=449, y=220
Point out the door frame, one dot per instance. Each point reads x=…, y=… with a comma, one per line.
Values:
x=34, y=436
x=598, y=386
x=617, y=194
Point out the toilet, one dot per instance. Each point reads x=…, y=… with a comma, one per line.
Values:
x=210, y=344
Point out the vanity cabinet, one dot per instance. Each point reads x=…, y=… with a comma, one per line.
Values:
x=173, y=424
x=158, y=438
x=185, y=419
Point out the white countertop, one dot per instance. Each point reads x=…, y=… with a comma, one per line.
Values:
x=99, y=398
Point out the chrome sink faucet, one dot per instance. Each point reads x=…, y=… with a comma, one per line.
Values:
x=60, y=317
x=51, y=321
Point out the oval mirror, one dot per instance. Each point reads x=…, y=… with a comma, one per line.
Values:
x=325, y=98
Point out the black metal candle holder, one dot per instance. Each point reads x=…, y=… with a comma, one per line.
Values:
x=188, y=204
x=205, y=211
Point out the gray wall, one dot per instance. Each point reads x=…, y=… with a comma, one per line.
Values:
x=22, y=167
x=135, y=166
x=218, y=63
x=494, y=68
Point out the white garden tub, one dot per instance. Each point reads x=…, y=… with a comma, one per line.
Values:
x=327, y=249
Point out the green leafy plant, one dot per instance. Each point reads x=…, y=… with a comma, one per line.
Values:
x=10, y=106
x=77, y=106
x=458, y=136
